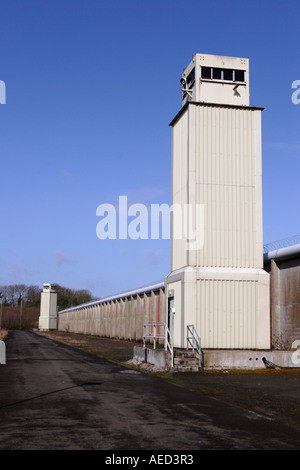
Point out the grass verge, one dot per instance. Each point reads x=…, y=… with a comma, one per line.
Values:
x=3, y=334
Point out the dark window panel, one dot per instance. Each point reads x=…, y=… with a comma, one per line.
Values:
x=217, y=73
x=190, y=78
x=205, y=72
x=228, y=74
x=239, y=75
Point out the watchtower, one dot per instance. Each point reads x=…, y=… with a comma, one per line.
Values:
x=48, y=309
x=218, y=285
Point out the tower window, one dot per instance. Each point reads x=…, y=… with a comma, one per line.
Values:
x=205, y=72
x=217, y=73
x=228, y=75
x=190, y=79
x=239, y=75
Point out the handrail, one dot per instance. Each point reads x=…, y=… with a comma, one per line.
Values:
x=193, y=339
x=168, y=344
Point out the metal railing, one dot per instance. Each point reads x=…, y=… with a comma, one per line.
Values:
x=193, y=341
x=159, y=330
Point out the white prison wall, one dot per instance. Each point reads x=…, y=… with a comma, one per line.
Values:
x=121, y=316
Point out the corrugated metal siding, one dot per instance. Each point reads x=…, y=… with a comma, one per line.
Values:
x=121, y=318
x=217, y=163
x=228, y=226
x=227, y=313
x=226, y=184
x=285, y=301
x=290, y=299
x=179, y=188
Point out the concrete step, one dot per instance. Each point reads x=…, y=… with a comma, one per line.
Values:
x=186, y=369
x=186, y=361
x=185, y=353
x=186, y=365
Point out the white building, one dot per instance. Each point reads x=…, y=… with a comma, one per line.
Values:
x=217, y=282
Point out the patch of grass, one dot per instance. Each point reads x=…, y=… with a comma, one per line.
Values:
x=3, y=334
x=111, y=349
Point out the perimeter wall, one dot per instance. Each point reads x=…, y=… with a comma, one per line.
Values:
x=120, y=317
x=284, y=268
x=123, y=316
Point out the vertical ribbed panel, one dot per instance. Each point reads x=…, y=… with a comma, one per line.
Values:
x=179, y=188
x=121, y=318
x=226, y=185
x=223, y=289
x=227, y=313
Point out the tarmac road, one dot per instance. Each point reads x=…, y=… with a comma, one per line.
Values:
x=55, y=397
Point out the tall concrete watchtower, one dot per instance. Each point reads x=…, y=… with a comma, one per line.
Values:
x=48, y=309
x=218, y=283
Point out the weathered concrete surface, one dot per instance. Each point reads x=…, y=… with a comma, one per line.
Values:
x=219, y=359
x=53, y=396
x=285, y=299
x=160, y=358
x=249, y=359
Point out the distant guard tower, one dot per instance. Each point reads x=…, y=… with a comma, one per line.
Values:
x=48, y=311
x=218, y=283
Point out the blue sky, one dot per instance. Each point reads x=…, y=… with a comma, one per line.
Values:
x=91, y=89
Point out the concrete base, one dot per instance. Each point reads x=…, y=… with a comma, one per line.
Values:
x=47, y=323
x=248, y=359
x=160, y=358
x=229, y=307
x=218, y=359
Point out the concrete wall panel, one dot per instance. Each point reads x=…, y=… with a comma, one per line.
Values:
x=121, y=318
x=285, y=301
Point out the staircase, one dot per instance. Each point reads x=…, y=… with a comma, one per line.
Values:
x=186, y=361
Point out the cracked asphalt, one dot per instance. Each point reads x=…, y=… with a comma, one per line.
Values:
x=54, y=396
